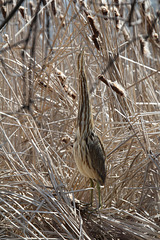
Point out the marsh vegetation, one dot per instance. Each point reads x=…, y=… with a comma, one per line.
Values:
x=42, y=194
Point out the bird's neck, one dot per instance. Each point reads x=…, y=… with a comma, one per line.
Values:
x=85, y=122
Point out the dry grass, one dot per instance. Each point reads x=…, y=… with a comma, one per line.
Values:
x=39, y=183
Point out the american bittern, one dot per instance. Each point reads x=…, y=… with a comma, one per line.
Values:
x=89, y=153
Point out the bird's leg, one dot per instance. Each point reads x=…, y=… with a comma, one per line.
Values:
x=99, y=194
x=92, y=186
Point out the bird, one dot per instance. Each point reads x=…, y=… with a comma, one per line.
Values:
x=88, y=149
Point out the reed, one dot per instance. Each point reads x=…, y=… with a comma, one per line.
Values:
x=42, y=193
